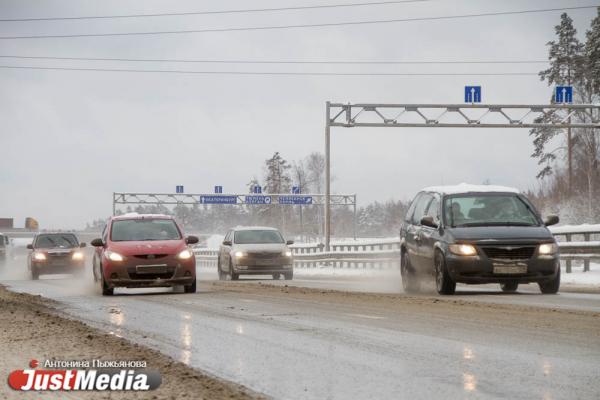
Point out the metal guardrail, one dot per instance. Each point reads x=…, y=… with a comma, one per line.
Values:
x=385, y=253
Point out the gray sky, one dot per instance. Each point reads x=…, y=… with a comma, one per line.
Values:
x=69, y=139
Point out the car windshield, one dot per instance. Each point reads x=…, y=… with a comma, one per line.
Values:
x=488, y=210
x=56, y=240
x=257, y=237
x=144, y=229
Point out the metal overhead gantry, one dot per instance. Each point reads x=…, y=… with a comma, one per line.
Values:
x=446, y=116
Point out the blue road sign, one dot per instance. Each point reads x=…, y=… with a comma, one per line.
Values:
x=218, y=189
x=296, y=189
x=257, y=189
x=258, y=199
x=218, y=199
x=295, y=200
x=563, y=94
x=472, y=94
x=179, y=189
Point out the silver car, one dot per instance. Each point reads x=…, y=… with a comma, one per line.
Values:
x=255, y=250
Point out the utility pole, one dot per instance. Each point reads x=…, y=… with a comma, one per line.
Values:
x=327, y=177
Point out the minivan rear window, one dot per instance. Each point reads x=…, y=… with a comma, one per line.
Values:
x=488, y=210
x=144, y=229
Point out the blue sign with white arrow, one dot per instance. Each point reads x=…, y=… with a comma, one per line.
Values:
x=218, y=199
x=258, y=199
x=472, y=94
x=295, y=199
x=256, y=189
x=563, y=94
x=296, y=189
x=179, y=189
x=218, y=189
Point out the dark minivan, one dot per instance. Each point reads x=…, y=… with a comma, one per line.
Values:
x=477, y=234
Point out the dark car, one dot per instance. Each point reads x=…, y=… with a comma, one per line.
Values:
x=144, y=250
x=255, y=251
x=477, y=234
x=55, y=253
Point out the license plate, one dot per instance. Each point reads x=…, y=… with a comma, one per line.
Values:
x=151, y=269
x=510, y=269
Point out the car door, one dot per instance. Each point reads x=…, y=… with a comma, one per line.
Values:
x=413, y=228
x=429, y=236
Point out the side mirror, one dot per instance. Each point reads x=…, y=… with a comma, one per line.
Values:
x=551, y=220
x=191, y=240
x=427, y=220
x=289, y=242
x=30, y=246
x=97, y=243
x=227, y=243
x=82, y=244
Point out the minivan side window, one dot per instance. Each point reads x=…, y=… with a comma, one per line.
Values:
x=411, y=208
x=420, y=208
x=434, y=209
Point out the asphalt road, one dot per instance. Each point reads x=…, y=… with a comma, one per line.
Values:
x=305, y=344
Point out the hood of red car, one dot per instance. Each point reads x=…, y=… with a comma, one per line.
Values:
x=131, y=248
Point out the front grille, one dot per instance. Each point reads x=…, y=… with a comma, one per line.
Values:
x=150, y=256
x=509, y=252
x=264, y=255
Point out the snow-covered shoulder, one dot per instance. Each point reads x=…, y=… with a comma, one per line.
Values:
x=468, y=188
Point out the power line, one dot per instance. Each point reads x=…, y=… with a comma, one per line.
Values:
x=220, y=61
x=267, y=73
x=329, y=24
x=252, y=10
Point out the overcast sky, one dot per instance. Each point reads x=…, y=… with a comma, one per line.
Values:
x=68, y=140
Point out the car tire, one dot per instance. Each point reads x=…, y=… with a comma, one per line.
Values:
x=190, y=288
x=509, y=287
x=288, y=276
x=233, y=275
x=551, y=286
x=222, y=275
x=35, y=275
x=106, y=291
x=410, y=283
x=443, y=281
x=276, y=277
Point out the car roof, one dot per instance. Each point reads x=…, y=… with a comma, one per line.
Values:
x=140, y=216
x=468, y=188
x=254, y=228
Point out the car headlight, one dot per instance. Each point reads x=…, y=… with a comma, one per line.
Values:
x=112, y=256
x=39, y=256
x=77, y=256
x=185, y=254
x=239, y=254
x=462, y=249
x=287, y=253
x=547, y=249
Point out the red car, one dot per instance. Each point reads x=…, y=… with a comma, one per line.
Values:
x=144, y=250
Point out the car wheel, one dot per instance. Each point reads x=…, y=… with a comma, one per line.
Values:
x=233, y=275
x=276, y=276
x=35, y=275
x=106, y=291
x=190, y=288
x=443, y=282
x=551, y=286
x=289, y=276
x=222, y=275
x=509, y=287
x=410, y=283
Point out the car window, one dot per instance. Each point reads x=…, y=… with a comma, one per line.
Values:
x=488, y=210
x=144, y=229
x=420, y=208
x=228, y=236
x=258, y=236
x=2, y=241
x=411, y=208
x=56, y=240
x=434, y=209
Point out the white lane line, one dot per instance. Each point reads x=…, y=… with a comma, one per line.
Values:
x=366, y=316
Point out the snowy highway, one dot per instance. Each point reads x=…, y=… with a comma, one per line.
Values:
x=347, y=344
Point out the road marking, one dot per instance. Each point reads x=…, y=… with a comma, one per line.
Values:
x=366, y=316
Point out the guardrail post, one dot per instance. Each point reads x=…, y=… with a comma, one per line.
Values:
x=568, y=266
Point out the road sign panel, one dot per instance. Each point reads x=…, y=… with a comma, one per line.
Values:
x=472, y=94
x=179, y=189
x=218, y=199
x=296, y=189
x=258, y=199
x=295, y=200
x=256, y=189
x=563, y=94
x=218, y=189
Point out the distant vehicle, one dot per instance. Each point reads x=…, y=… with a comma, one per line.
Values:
x=5, y=247
x=55, y=253
x=477, y=234
x=255, y=251
x=144, y=250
